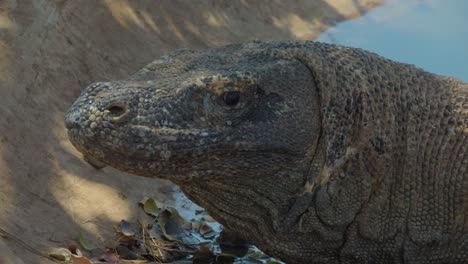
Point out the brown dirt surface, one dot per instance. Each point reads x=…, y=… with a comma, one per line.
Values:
x=51, y=49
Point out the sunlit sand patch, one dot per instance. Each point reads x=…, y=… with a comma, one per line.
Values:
x=343, y=7
x=299, y=28
x=172, y=25
x=6, y=23
x=124, y=14
x=192, y=28
x=212, y=19
x=85, y=199
x=149, y=21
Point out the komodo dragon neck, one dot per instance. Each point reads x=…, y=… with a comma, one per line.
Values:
x=397, y=140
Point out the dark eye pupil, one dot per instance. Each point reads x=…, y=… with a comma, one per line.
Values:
x=231, y=98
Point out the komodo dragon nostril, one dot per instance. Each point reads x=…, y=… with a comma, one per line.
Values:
x=72, y=119
x=116, y=111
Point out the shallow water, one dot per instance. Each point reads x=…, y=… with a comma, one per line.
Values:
x=431, y=34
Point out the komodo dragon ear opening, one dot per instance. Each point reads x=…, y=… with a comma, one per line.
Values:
x=345, y=112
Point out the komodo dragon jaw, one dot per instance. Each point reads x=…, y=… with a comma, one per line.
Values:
x=313, y=152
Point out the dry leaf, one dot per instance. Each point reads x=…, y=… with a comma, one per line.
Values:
x=79, y=260
x=127, y=228
x=84, y=243
x=151, y=207
x=62, y=254
x=208, y=218
x=109, y=257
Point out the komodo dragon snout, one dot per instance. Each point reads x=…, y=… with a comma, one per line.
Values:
x=313, y=152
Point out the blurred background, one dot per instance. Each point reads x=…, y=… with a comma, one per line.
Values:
x=51, y=49
x=432, y=34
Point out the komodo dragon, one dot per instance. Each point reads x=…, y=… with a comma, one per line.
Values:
x=316, y=153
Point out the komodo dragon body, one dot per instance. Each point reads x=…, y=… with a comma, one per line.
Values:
x=315, y=153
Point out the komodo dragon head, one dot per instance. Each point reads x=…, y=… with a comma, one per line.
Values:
x=202, y=115
x=292, y=146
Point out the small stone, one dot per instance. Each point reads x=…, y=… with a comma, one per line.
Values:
x=93, y=125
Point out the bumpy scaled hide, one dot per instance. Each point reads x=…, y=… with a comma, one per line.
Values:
x=313, y=152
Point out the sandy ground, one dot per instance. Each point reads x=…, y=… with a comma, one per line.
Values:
x=51, y=49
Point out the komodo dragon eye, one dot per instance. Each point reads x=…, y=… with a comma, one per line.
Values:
x=231, y=98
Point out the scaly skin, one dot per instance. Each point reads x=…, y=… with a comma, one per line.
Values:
x=315, y=153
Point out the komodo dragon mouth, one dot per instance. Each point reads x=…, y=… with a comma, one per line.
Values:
x=316, y=153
